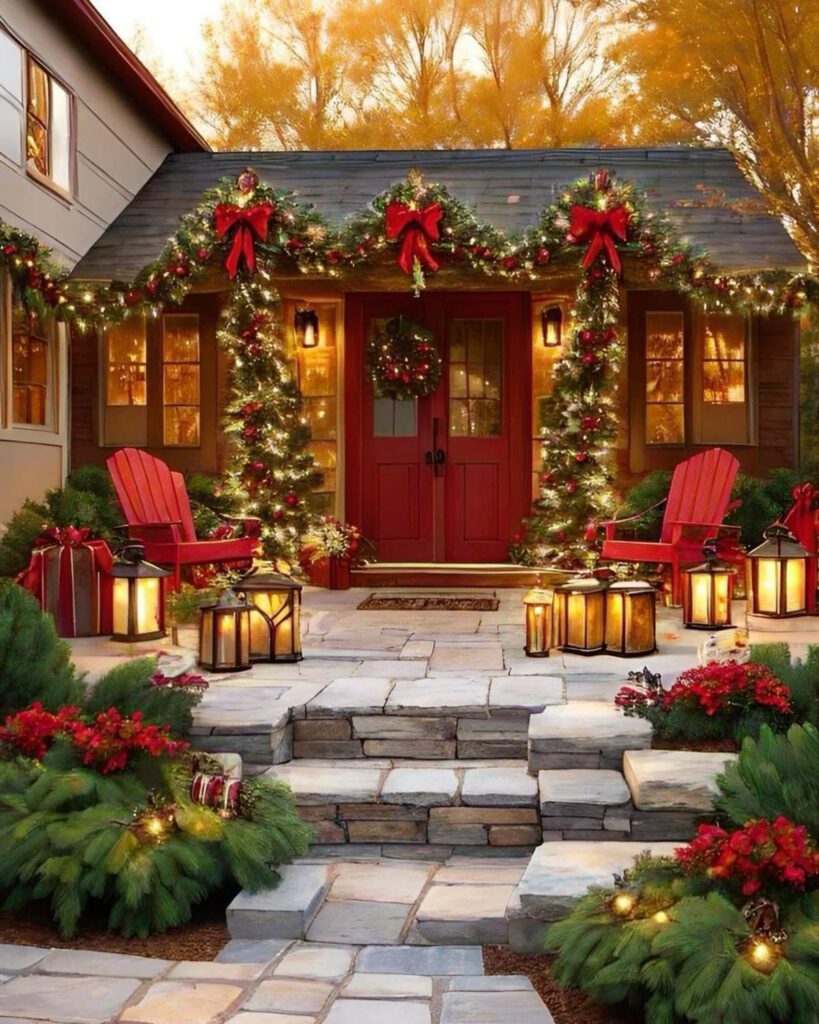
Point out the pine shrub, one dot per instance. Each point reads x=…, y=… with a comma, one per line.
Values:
x=128, y=688
x=800, y=676
x=34, y=662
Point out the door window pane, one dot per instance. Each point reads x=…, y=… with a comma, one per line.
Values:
x=665, y=378
x=475, y=378
x=394, y=418
x=180, y=378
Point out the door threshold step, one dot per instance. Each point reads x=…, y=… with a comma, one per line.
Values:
x=452, y=575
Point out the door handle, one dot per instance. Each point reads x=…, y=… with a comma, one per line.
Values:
x=429, y=458
x=440, y=457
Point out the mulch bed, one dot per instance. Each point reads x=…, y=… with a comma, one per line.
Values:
x=200, y=939
x=432, y=603
x=566, y=1005
x=708, y=746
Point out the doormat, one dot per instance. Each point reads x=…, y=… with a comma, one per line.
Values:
x=430, y=603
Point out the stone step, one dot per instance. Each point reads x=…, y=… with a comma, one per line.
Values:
x=560, y=873
x=285, y=912
x=674, y=780
x=583, y=734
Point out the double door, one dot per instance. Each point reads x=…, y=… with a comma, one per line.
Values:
x=442, y=478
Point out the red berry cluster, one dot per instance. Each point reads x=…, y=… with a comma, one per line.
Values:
x=760, y=853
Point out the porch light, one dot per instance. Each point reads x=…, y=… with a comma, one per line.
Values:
x=579, y=612
x=538, y=604
x=631, y=619
x=306, y=326
x=224, y=634
x=707, y=592
x=551, y=325
x=274, y=603
x=779, y=573
x=138, y=596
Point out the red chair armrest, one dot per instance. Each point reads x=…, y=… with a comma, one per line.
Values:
x=167, y=532
x=610, y=525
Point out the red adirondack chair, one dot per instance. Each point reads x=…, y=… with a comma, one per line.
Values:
x=698, y=501
x=158, y=514
x=801, y=520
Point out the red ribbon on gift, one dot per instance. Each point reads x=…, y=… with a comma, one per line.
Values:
x=601, y=229
x=416, y=229
x=247, y=223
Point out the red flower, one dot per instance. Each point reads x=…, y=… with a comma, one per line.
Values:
x=716, y=688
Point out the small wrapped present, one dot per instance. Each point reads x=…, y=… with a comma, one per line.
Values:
x=218, y=791
x=68, y=573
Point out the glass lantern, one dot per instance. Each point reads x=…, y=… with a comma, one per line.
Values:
x=779, y=574
x=579, y=613
x=551, y=326
x=138, y=597
x=274, y=601
x=631, y=619
x=538, y=604
x=306, y=326
x=707, y=593
x=224, y=634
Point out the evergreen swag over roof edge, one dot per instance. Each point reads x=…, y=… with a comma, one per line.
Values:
x=255, y=230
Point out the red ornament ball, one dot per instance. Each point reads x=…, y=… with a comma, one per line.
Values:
x=247, y=180
x=581, y=456
x=202, y=252
x=278, y=513
x=571, y=486
x=542, y=255
x=181, y=270
x=10, y=249
x=588, y=358
x=291, y=499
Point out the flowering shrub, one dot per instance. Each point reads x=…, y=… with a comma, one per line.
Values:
x=762, y=852
x=182, y=681
x=331, y=538
x=716, y=701
x=105, y=741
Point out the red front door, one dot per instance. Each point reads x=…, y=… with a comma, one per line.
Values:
x=442, y=478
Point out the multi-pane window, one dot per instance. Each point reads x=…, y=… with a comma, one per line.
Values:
x=317, y=370
x=30, y=369
x=665, y=378
x=723, y=359
x=180, y=378
x=126, y=364
x=475, y=378
x=48, y=126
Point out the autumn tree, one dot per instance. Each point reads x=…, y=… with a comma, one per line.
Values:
x=738, y=73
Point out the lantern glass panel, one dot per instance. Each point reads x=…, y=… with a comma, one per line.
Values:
x=538, y=624
x=121, y=605
x=225, y=638
x=795, y=589
x=767, y=586
x=148, y=605
x=708, y=597
x=630, y=619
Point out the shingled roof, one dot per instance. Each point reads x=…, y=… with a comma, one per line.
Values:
x=695, y=185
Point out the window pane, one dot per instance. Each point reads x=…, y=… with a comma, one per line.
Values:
x=182, y=425
x=664, y=335
x=11, y=67
x=457, y=381
x=321, y=415
x=664, y=424
x=181, y=384
x=37, y=92
x=30, y=379
x=37, y=145
x=125, y=369
x=723, y=382
x=394, y=418
x=180, y=334
x=723, y=367
x=180, y=378
x=665, y=378
x=60, y=130
x=475, y=378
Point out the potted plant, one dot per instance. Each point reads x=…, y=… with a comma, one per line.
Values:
x=327, y=551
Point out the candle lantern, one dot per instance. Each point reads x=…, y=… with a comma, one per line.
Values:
x=779, y=574
x=551, y=326
x=538, y=604
x=579, y=613
x=306, y=326
x=707, y=593
x=138, y=596
x=631, y=619
x=274, y=601
x=224, y=634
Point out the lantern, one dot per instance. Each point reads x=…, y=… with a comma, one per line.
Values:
x=538, y=604
x=138, y=596
x=306, y=326
x=579, y=612
x=224, y=634
x=274, y=602
x=779, y=573
x=707, y=592
x=551, y=326
x=631, y=619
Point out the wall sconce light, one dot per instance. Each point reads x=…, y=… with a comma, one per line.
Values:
x=274, y=601
x=538, y=604
x=630, y=619
x=707, y=593
x=779, y=575
x=224, y=634
x=551, y=326
x=139, y=597
x=306, y=326
x=580, y=615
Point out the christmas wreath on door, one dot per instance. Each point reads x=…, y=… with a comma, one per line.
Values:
x=403, y=361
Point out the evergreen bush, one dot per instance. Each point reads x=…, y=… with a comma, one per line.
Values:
x=800, y=676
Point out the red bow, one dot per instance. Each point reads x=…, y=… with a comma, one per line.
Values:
x=66, y=536
x=599, y=228
x=417, y=229
x=247, y=223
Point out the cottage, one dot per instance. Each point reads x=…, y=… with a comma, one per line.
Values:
x=83, y=126
x=448, y=477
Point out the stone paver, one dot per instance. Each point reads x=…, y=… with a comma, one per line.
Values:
x=473, y=913
x=424, y=787
x=581, y=791
x=388, y=986
x=374, y=1011
x=483, y=657
x=269, y=1018
x=522, y=1007
x=290, y=995
x=167, y=1002
x=281, y=913
x=673, y=780
x=320, y=784
x=496, y=872
x=417, y=649
x=386, y=883
x=86, y=961
x=498, y=787
x=417, y=696
x=208, y=970
x=69, y=1000
x=19, y=958
x=251, y=951
x=360, y=694
x=307, y=960
x=440, y=961
x=587, y=725
x=525, y=693
x=358, y=921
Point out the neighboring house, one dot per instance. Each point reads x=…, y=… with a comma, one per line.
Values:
x=83, y=126
x=689, y=381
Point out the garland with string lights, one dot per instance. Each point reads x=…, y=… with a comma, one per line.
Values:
x=255, y=231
